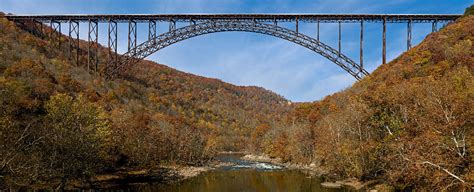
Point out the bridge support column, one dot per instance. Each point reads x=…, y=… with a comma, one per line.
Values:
x=384, y=44
x=92, y=49
x=317, y=31
x=132, y=36
x=339, y=38
x=38, y=28
x=151, y=29
x=74, y=41
x=361, y=55
x=172, y=25
x=434, y=26
x=55, y=35
x=297, y=25
x=112, y=42
x=409, y=25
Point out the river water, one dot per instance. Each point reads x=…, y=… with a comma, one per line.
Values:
x=245, y=176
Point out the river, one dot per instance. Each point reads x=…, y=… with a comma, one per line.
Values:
x=244, y=176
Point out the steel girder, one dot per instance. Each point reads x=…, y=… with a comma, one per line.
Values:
x=310, y=18
x=149, y=47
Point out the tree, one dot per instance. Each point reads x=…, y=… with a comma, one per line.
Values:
x=77, y=136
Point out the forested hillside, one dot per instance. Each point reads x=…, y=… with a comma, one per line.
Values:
x=59, y=120
x=409, y=124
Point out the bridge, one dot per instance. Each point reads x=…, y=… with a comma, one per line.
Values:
x=201, y=24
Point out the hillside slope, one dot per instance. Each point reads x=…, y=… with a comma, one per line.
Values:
x=58, y=120
x=410, y=123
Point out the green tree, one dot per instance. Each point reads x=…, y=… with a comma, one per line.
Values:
x=78, y=135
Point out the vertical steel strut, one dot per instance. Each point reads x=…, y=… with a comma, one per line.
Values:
x=55, y=35
x=151, y=29
x=384, y=44
x=38, y=28
x=434, y=26
x=296, y=25
x=93, y=45
x=339, y=38
x=409, y=25
x=361, y=55
x=317, y=36
x=172, y=25
x=112, y=43
x=74, y=41
x=132, y=36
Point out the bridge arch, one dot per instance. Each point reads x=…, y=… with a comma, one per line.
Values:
x=153, y=45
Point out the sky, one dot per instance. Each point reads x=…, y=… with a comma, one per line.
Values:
x=243, y=58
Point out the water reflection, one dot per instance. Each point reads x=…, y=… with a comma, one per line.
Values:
x=244, y=180
x=241, y=175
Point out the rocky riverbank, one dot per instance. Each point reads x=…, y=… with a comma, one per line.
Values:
x=312, y=168
x=315, y=170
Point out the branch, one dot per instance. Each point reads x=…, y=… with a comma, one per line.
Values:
x=388, y=129
x=445, y=170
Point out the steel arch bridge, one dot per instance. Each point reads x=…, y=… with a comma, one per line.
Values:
x=155, y=44
x=201, y=24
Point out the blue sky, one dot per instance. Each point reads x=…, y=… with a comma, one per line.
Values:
x=253, y=59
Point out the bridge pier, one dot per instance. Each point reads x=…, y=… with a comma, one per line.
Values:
x=339, y=38
x=37, y=28
x=409, y=35
x=317, y=31
x=361, y=53
x=384, y=44
x=112, y=42
x=74, y=41
x=172, y=25
x=297, y=25
x=151, y=29
x=55, y=35
x=93, y=45
x=434, y=26
x=132, y=36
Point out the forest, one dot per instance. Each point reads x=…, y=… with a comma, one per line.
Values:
x=409, y=124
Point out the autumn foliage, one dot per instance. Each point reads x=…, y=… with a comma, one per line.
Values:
x=59, y=121
x=408, y=124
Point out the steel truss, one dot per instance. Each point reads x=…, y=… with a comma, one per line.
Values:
x=74, y=49
x=37, y=28
x=112, y=43
x=132, y=36
x=308, y=18
x=55, y=34
x=93, y=46
x=200, y=24
x=149, y=47
x=151, y=30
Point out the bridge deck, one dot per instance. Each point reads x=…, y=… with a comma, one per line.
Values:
x=323, y=18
